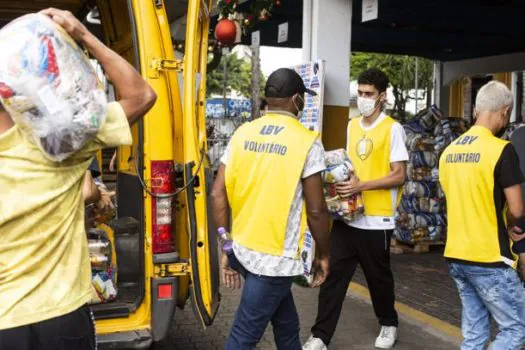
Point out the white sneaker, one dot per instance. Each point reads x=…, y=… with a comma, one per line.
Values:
x=387, y=337
x=314, y=344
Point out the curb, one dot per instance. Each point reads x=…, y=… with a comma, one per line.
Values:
x=433, y=325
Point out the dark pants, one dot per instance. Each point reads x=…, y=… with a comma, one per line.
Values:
x=75, y=330
x=264, y=300
x=350, y=246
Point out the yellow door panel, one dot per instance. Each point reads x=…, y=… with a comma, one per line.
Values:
x=203, y=242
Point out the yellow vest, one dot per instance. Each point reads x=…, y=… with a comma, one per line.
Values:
x=369, y=152
x=263, y=170
x=476, y=226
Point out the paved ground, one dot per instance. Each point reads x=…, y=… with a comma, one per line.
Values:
x=423, y=282
x=357, y=327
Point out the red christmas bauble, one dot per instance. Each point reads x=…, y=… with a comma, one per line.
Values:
x=226, y=32
x=6, y=91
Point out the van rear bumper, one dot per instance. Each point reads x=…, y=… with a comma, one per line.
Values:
x=162, y=309
x=141, y=339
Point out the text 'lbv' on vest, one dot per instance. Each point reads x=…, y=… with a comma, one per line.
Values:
x=265, y=165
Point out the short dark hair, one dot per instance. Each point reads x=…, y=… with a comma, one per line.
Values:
x=375, y=77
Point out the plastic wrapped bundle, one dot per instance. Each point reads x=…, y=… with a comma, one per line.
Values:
x=345, y=209
x=429, y=117
x=338, y=166
x=422, y=234
x=49, y=86
x=423, y=159
x=421, y=215
x=413, y=127
x=422, y=174
x=441, y=143
x=419, y=220
x=423, y=189
x=450, y=129
x=338, y=172
x=420, y=205
x=339, y=169
x=423, y=122
x=420, y=142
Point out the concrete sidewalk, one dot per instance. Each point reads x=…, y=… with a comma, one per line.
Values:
x=357, y=327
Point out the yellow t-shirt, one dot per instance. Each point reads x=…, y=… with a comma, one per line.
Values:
x=45, y=270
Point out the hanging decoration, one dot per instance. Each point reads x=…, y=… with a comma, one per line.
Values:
x=260, y=11
x=226, y=7
x=226, y=32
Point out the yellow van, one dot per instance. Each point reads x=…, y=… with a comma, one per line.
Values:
x=166, y=247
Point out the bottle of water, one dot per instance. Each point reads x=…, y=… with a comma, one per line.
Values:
x=225, y=240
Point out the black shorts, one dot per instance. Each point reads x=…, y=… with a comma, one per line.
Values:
x=75, y=330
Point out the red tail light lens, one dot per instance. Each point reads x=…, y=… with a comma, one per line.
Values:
x=162, y=182
x=164, y=291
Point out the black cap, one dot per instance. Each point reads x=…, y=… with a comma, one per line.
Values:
x=285, y=82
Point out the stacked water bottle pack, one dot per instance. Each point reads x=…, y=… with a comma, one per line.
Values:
x=102, y=255
x=421, y=215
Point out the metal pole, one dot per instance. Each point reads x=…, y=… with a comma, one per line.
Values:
x=514, y=89
x=255, y=81
x=225, y=79
x=307, y=30
x=416, y=74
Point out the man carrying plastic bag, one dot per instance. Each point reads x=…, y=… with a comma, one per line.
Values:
x=376, y=147
x=45, y=274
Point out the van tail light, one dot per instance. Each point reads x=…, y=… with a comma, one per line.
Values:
x=164, y=291
x=162, y=182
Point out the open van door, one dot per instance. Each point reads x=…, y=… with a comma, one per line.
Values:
x=198, y=176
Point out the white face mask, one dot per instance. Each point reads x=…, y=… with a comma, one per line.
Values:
x=299, y=112
x=366, y=106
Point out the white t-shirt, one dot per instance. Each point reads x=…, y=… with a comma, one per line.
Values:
x=398, y=153
x=283, y=266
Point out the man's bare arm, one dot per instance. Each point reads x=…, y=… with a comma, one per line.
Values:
x=317, y=214
x=395, y=178
x=220, y=206
x=515, y=204
x=219, y=199
x=136, y=96
x=90, y=190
